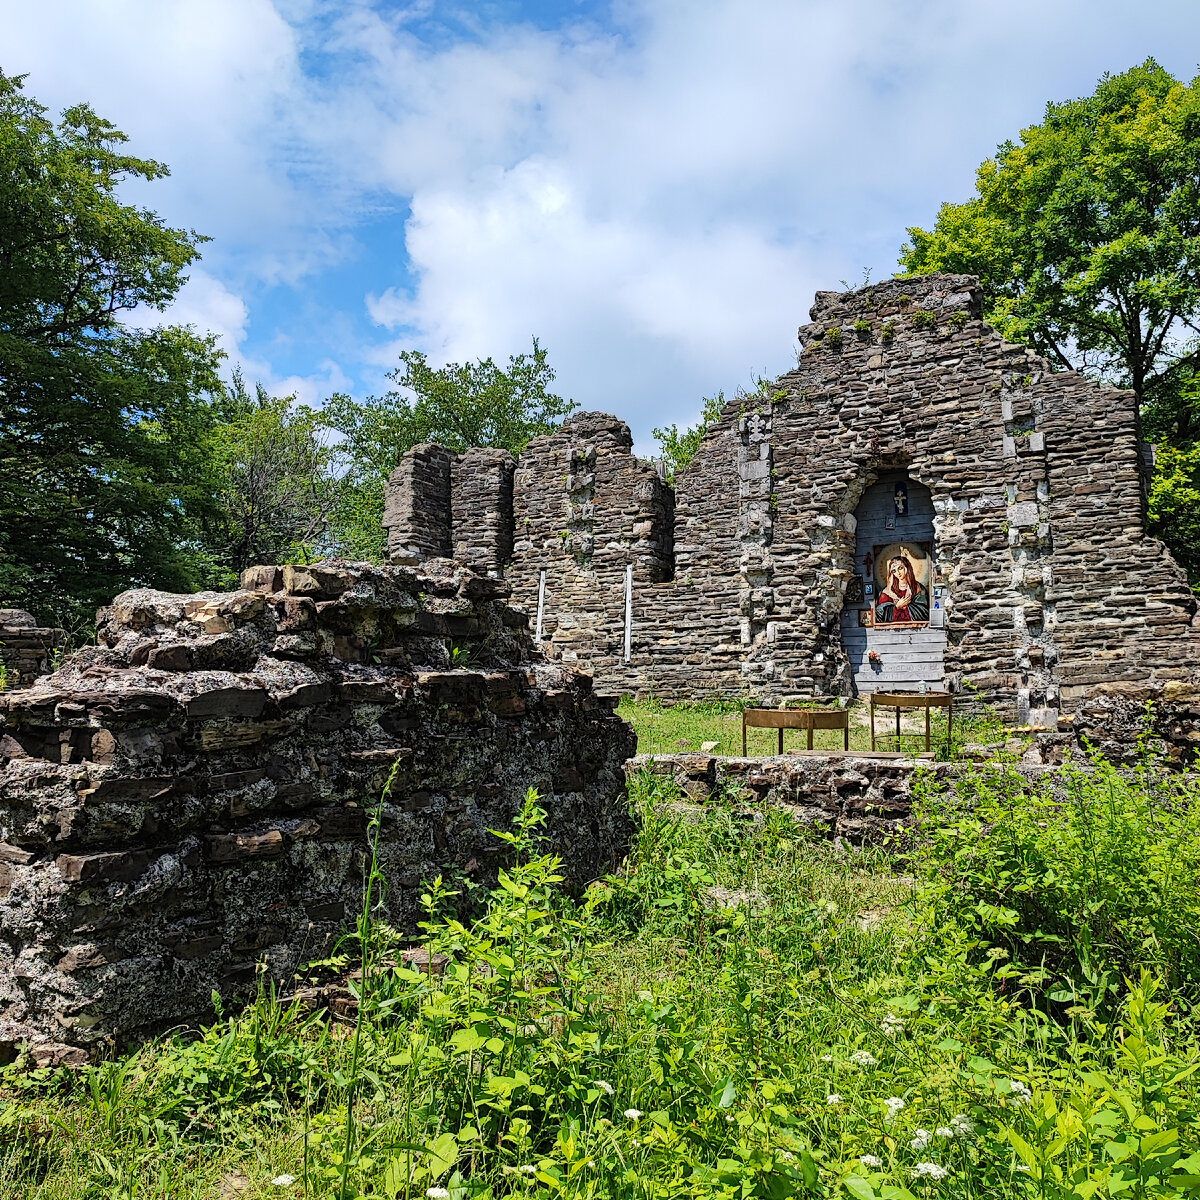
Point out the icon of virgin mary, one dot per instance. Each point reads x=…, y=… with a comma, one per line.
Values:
x=904, y=600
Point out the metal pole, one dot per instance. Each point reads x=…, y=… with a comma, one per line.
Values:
x=628, y=611
x=537, y=637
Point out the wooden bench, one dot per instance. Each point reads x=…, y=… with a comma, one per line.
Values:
x=795, y=718
x=926, y=700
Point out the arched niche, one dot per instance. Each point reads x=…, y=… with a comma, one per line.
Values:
x=892, y=635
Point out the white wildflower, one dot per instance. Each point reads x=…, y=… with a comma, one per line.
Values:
x=827, y=1058
x=634, y=1114
x=863, y=1058
x=870, y=1160
x=527, y=1169
x=892, y=1024
x=963, y=1125
x=920, y=1139
x=787, y=1156
x=930, y=1170
x=893, y=1104
x=436, y=1193
x=1019, y=1090
x=283, y=1181
x=604, y=1086
x=944, y=1131
x=833, y=1098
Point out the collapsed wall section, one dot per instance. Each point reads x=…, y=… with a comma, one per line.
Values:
x=27, y=649
x=187, y=803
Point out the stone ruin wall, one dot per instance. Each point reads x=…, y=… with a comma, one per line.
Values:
x=27, y=649
x=190, y=798
x=1054, y=592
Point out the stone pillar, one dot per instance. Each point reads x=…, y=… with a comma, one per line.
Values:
x=26, y=648
x=481, y=482
x=416, y=509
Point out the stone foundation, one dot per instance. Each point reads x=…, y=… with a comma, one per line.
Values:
x=186, y=804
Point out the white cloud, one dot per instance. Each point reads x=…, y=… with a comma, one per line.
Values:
x=656, y=200
x=211, y=307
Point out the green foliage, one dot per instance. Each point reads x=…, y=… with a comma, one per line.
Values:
x=458, y=406
x=833, y=338
x=1174, y=509
x=924, y=318
x=104, y=426
x=1079, y=880
x=887, y=332
x=862, y=327
x=959, y=319
x=678, y=447
x=1084, y=233
x=741, y=1011
x=272, y=468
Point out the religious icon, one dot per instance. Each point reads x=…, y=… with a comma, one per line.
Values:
x=902, y=572
x=901, y=498
x=865, y=619
x=889, y=522
x=854, y=590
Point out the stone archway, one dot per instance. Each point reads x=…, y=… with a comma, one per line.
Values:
x=894, y=518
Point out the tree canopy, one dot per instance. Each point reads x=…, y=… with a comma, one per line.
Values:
x=458, y=406
x=102, y=425
x=1086, y=232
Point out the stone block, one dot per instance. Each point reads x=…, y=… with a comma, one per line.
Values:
x=237, y=847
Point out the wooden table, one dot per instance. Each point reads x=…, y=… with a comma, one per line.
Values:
x=926, y=700
x=795, y=718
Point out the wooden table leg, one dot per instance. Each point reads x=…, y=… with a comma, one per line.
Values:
x=872, y=720
x=897, y=730
x=743, y=735
x=927, y=729
x=781, y=739
x=810, y=737
x=846, y=733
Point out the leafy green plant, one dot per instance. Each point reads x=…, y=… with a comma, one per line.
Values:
x=1080, y=878
x=924, y=318
x=833, y=338
x=862, y=329
x=887, y=332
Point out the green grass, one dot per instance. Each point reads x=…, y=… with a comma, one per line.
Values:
x=741, y=1011
x=681, y=728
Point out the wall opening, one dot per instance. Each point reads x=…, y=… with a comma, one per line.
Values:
x=892, y=628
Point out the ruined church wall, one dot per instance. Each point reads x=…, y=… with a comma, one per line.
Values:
x=187, y=803
x=1051, y=587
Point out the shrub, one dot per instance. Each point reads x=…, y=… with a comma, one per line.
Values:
x=862, y=327
x=1082, y=878
x=833, y=337
x=924, y=318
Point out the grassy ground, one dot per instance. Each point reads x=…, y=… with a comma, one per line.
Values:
x=672, y=729
x=740, y=1012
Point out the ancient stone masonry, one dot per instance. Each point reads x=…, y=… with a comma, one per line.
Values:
x=190, y=798
x=27, y=649
x=1028, y=486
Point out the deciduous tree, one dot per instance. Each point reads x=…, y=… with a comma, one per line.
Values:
x=102, y=424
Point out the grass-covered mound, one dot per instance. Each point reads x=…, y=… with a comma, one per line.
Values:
x=1006, y=1011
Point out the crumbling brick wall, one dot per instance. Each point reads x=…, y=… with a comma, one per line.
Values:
x=1051, y=586
x=190, y=798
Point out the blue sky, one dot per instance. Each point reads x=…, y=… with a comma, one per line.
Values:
x=654, y=188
